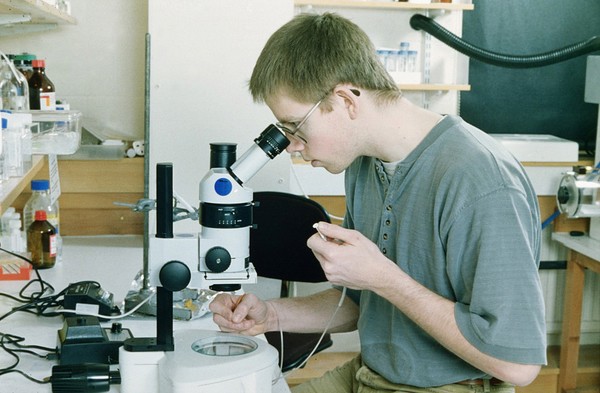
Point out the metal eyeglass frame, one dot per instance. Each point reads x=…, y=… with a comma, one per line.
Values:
x=295, y=130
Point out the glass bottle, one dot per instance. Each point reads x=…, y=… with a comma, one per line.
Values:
x=14, y=88
x=41, y=242
x=42, y=95
x=40, y=200
x=23, y=63
x=8, y=90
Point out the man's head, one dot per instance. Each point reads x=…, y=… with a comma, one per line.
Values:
x=310, y=55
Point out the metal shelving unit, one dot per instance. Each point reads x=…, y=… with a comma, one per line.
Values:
x=430, y=8
x=385, y=5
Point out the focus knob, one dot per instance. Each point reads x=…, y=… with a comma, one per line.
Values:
x=175, y=276
x=218, y=259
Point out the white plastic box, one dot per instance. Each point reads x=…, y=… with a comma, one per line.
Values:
x=55, y=132
x=538, y=151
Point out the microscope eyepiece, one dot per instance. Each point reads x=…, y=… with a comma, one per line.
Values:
x=222, y=155
x=272, y=141
x=268, y=145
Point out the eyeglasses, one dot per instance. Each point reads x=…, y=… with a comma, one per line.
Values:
x=293, y=131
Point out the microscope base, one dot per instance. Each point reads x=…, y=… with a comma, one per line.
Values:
x=203, y=361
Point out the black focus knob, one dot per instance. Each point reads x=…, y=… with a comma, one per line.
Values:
x=218, y=259
x=175, y=276
x=563, y=195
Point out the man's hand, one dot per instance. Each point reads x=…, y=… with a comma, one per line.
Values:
x=245, y=314
x=348, y=258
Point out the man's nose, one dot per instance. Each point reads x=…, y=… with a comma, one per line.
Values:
x=295, y=145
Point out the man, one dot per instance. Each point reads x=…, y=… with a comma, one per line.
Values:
x=440, y=243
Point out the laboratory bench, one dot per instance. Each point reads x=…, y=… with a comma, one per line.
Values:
x=112, y=261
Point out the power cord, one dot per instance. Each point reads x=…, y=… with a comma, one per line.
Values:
x=10, y=339
x=89, y=314
x=35, y=300
x=325, y=330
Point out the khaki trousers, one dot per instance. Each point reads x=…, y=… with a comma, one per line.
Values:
x=354, y=377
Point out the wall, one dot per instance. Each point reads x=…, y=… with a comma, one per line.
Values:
x=199, y=88
x=96, y=65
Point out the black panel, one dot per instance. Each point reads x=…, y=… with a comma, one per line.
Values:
x=545, y=100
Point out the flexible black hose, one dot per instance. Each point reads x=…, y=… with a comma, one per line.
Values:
x=421, y=22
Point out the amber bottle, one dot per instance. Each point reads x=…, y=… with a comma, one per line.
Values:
x=41, y=242
x=41, y=89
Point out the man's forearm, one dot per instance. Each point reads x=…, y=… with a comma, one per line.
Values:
x=309, y=314
x=435, y=315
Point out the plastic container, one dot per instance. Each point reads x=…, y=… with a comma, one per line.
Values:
x=411, y=61
x=12, y=149
x=42, y=242
x=23, y=122
x=391, y=61
x=55, y=132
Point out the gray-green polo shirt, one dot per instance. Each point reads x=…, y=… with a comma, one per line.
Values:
x=460, y=217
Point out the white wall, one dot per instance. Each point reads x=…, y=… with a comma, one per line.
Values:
x=203, y=54
x=96, y=65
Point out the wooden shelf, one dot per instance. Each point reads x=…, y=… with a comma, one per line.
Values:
x=434, y=87
x=12, y=188
x=385, y=5
x=40, y=11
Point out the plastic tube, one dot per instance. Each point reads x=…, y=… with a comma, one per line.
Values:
x=421, y=22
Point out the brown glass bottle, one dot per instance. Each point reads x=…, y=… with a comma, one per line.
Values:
x=41, y=242
x=41, y=89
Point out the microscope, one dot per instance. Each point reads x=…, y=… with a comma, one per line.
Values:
x=579, y=193
x=217, y=258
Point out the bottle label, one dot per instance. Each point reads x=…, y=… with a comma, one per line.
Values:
x=47, y=101
x=53, y=219
x=52, y=245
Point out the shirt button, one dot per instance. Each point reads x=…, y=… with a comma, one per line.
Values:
x=388, y=208
x=384, y=251
x=387, y=222
x=385, y=236
x=382, y=178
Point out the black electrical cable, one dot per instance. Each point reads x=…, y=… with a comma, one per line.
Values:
x=34, y=303
x=421, y=22
x=10, y=339
x=44, y=286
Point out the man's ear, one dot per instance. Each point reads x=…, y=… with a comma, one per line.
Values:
x=349, y=94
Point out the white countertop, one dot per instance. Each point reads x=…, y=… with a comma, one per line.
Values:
x=582, y=244
x=113, y=261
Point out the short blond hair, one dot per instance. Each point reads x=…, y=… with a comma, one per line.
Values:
x=311, y=54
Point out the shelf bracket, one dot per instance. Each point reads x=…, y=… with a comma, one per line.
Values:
x=20, y=28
